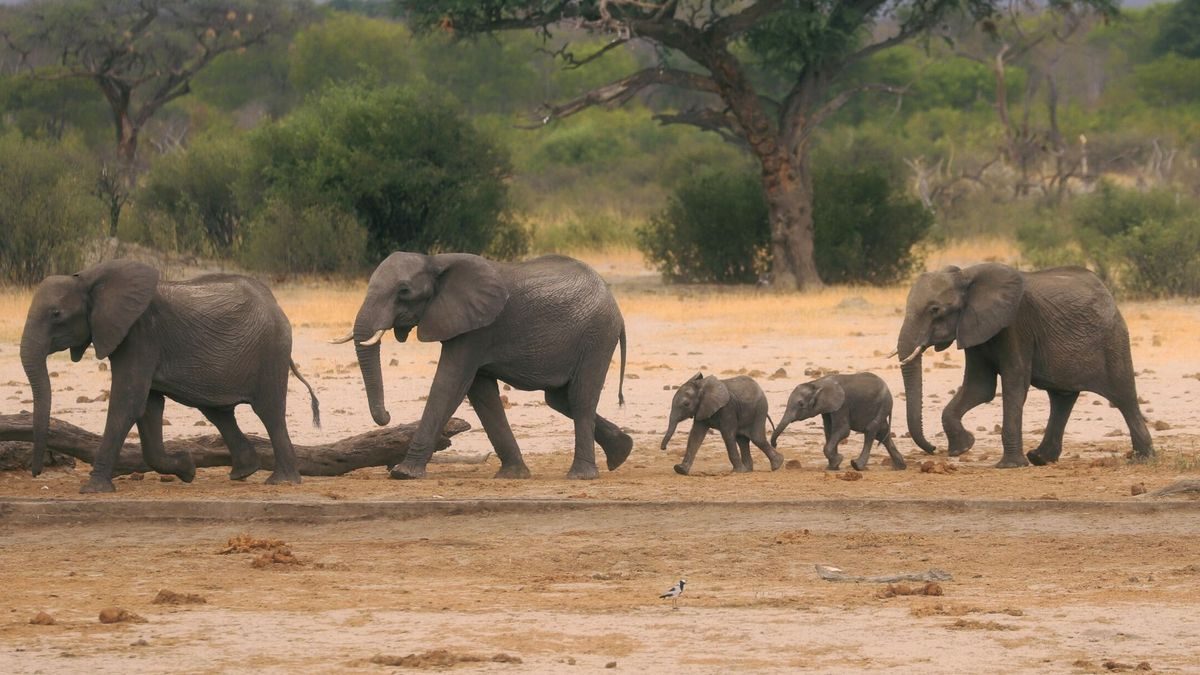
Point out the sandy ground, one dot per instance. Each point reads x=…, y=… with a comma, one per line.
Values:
x=1044, y=591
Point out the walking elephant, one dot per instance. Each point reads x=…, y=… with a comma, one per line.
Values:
x=1056, y=329
x=211, y=343
x=547, y=324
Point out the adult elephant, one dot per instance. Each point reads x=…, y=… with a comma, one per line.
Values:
x=1057, y=329
x=548, y=324
x=212, y=343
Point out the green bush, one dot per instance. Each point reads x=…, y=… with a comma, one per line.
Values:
x=49, y=213
x=320, y=239
x=409, y=167
x=189, y=199
x=716, y=229
x=1144, y=243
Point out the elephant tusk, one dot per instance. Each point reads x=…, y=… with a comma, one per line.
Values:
x=343, y=340
x=894, y=353
x=916, y=352
x=374, y=338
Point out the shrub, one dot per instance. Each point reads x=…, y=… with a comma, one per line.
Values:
x=409, y=167
x=49, y=215
x=320, y=239
x=716, y=229
x=192, y=195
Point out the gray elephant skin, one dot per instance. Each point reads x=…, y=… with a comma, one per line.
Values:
x=212, y=343
x=858, y=402
x=548, y=324
x=1057, y=329
x=736, y=407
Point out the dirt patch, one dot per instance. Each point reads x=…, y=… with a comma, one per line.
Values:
x=440, y=658
x=119, y=615
x=167, y=597
x=892, y=590
x=244, y=543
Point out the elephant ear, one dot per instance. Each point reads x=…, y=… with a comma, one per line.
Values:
x=828, y=397
x=713, y=396
x=993, y=294
x=119, y=292
x=469, y=294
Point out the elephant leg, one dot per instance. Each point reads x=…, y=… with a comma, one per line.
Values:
x=1016, y=389
x=1122, y=387
x=978, y=387
x=455, y=374
x=582, y=399
x=695, y=438
x=130, y=391
x=150, y=429
x=860, y=464
x=759, y=438
x=485, y=399
x=834, y=435
x=274, y=417
x=885, y=438
x=1061, y=403
x=1143, y=446
x=743, y=444
x=244, y=460
x=731, y=448
x=615, y=443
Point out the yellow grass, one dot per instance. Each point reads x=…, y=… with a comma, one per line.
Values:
x=14, y=305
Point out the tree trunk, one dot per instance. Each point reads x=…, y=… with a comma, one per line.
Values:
x=380, y=447
x=788, y=186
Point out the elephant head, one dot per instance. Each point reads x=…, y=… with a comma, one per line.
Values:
x=699, y=398
x=819, y=397
x=969, y=305
x=442, y=295
x=97, y=306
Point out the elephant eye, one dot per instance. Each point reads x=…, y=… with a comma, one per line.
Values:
x=56, y=312
x=935, y=310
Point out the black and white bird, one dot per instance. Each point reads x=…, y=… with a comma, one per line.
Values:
x=674, y=592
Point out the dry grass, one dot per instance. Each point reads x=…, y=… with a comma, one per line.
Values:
x=14, y=305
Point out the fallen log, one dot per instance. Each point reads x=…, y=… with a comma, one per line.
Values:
x=379, y=447
x=1177, y=487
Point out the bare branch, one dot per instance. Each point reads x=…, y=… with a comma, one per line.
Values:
x=838, y=102
x=719, y=122
x=725, y=28
x=621, y=91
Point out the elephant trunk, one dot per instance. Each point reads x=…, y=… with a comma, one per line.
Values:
x=33, y=360
x=788, y=418
x=913, y=399
x=670, y=430
x=368, y=363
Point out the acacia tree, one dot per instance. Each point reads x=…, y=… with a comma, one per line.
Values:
x=141, y=54
x=809, y=45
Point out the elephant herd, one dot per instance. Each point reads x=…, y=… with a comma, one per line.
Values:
x=551, y=324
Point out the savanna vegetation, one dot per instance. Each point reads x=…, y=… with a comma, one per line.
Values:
x=732, y=142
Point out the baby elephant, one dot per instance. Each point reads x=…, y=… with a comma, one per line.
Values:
x=736, y=407
x=858, y=402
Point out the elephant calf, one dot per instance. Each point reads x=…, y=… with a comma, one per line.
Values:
x=212, y=343
x=737, y=407
x=858, y=402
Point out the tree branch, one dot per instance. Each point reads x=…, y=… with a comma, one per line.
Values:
x=621, y=91
x=728, y=27
x=838, y=102
x=719, y=122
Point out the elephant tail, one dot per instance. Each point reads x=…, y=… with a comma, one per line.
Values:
x=772, y=422
x=621, y=386
x=316, y=405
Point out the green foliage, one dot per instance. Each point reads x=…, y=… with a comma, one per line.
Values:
x=410, y=168
x=1168, y=81
x=53, y=108
x=49, y=214
x=866, y=228
x=716, y=229
x=240, y=79
x=1180, y=30
x=1145, y=243
x=194, y=194
x=316, y=239
x=351, y=48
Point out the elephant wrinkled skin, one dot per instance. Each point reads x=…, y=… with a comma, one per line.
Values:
x=737, y=407
x=857, y=402
x=212, y=343
x=1057, y=329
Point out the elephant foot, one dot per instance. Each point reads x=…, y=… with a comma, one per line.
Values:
x=583, y=471
x=96, y=484
x=513, y=471
x=407, y=470
x=776, y=461
x=682, y=470
x=1036, y=459
x=742, y=468
x=835, y=463
x=1012, y=462
x=854, y=463
x=242, y=471
x=277, y=477
x=899, y=465
x=616, y=455
x=1142, y=457
x=961, y=443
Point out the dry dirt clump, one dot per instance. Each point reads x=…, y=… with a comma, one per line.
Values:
x=118, y=615
x=277, y=556
x=42, y=619
x=1113, y=666
x=930, y=466
x=972, y=624
x=244, y=543
x=791, y=536
x=892, y=590
x=440, y=658
x=166, y=597
x=851, y=476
